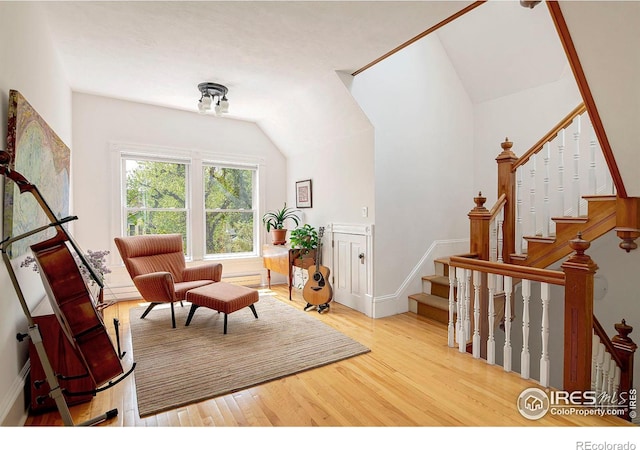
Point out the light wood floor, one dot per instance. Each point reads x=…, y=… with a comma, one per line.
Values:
x=411, y=378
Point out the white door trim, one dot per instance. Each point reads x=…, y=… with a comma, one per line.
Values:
x=362, y=230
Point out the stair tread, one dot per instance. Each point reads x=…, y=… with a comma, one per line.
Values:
x=569, y=219
x=548, y=239
x=431, y=300
x=437, y=279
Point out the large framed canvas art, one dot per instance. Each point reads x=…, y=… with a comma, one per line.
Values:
x=44, y=160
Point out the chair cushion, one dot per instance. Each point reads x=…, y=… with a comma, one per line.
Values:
x=182, y=288
x=223, y=297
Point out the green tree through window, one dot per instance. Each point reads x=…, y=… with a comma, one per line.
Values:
x=160, y=194
x=156, y=197
x=229, y=213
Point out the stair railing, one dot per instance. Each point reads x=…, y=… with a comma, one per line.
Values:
x=499, y=233
x=586, y=365
x=541, y=187
x=612, y=364
x=468, y=274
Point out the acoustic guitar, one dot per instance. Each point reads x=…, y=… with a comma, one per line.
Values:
x=317, y=290
x=72, y=301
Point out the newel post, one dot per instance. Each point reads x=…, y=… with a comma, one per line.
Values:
x=479, y=223
x=507, y=186
x=579, y=272
x=625, y=349
x=480, y=240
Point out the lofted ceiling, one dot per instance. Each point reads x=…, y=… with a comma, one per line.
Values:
x=157, y=52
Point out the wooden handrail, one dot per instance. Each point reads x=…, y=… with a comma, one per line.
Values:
x=606, y=341
x=585, y=91
x=510, y=270
x=421, y=35
x=564, y=123
x=502, y=200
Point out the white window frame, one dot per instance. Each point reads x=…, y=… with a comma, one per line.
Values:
x=127, y=156
x=195, y=191
x=254, y=209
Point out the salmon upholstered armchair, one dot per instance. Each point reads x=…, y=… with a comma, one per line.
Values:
x=157, y=267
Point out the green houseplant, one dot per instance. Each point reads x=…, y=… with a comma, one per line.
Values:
x=274, y=222
x=304, y=238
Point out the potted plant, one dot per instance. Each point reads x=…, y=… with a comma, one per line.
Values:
x=305, y=239
x=274, y=222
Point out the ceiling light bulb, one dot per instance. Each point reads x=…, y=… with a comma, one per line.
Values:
x=206, y=102
x=224, y=105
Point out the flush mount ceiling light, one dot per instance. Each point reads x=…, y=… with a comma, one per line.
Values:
x=529, y=4
x=213, y=94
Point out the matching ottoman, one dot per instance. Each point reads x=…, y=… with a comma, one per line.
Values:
x=222, y=297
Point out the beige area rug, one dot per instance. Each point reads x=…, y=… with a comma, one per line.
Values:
x=183, y=365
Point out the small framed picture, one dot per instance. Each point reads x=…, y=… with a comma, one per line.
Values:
x=303, y=194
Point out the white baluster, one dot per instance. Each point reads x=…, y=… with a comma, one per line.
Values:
x=525, y=361
x=508, y=287
x=576, y=170
x=616, y=384
x=476, y=314
x=491, y=342
x=461, y=313
x=452, y=307
x=467, y=305
x=532, y=195
x=500, y=238
x=595, y=345
x=605, y=372
x=612, y=376
x=493, y=240
x=547, y=180
x=519, y=226
x=599, y=371
x=544, y=357
x=561, y=174
x=593, y=182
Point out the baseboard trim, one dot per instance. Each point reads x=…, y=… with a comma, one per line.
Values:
x=13, y=410
x=398, y=302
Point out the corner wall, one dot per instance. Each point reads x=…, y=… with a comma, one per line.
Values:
x=102, y=125
x=30, y=65
x=423, y=121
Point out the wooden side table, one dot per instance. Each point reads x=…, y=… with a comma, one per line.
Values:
x=282, y=259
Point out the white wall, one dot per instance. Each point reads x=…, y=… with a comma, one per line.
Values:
x=423, y=122
x=337, y=156
x=524, y=118
x=29, y=64
x=101, y=124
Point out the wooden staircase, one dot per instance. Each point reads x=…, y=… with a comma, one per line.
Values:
x=544, y=251
x=433, y=301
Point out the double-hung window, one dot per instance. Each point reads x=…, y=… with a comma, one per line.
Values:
x=229, y=209
x=212, y=205
x=156, y=196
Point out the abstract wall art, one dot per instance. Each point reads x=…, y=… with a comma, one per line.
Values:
x=44, y=160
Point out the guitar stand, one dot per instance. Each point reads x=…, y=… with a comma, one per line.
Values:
x=323, y=308
x=56, y=392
